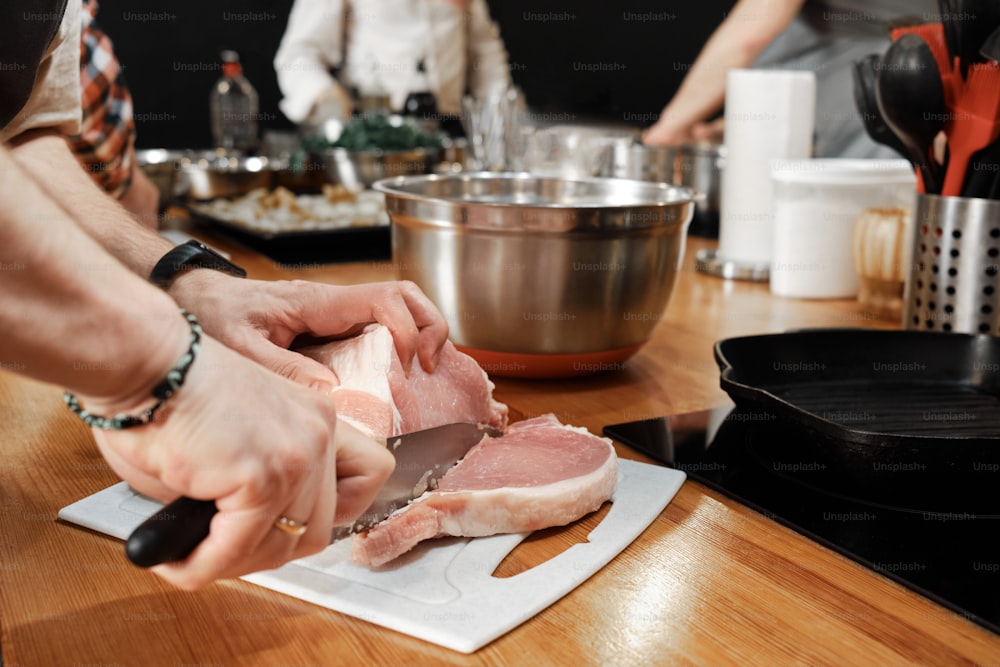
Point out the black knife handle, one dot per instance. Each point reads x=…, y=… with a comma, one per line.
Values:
x=172, y=533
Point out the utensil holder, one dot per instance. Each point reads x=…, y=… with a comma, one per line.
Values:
x=953, y=283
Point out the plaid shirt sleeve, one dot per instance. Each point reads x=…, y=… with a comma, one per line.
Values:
x=106, y=143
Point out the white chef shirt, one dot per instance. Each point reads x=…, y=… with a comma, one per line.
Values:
x=378, y=43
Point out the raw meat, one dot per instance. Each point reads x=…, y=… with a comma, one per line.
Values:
x=540, y=473
x=376, y=396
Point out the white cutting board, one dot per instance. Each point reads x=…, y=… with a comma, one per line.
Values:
x=443, y=591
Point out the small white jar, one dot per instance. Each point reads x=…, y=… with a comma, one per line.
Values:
x=816, y=202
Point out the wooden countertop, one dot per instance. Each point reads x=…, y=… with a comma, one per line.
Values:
x=709, y=583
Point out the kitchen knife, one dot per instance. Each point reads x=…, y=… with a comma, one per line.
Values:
x=422, y=458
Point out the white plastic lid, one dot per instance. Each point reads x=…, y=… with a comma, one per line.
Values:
x=842, y=171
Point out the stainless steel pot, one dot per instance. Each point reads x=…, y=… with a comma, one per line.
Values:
x=697, y=166
x=541, y=276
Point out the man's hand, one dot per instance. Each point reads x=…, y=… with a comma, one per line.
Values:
x=262, y=448
x=261, y=319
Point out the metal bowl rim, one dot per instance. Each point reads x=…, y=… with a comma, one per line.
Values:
x=233, y=165
x=152, y=157
x=378, y=152
x=386, y=186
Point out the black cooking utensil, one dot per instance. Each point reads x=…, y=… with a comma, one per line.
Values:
x=950, y=22
x=991, y=46
x=977, y=20
x=863, y=75
x=910, y=96
x=993, y=156
x=983, y=173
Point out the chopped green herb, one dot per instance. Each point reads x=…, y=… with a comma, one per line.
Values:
x=376, y=132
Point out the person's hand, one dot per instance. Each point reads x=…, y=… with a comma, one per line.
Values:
x=664, y=133
x=261, y=319
x=332, y=104
x=712, y=131
x=261, y=447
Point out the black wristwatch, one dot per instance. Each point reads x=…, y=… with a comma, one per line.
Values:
x=191, y=255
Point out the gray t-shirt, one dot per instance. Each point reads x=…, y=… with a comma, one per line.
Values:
x=827, y=37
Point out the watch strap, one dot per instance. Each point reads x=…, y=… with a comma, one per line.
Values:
x=191, y=255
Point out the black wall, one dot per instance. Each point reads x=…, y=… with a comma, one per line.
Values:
x=584, y=60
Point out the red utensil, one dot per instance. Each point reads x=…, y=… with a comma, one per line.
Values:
x=973, y=122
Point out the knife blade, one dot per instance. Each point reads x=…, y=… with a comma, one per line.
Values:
x=422, y=458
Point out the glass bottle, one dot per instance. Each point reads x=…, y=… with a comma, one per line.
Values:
x=234, y=109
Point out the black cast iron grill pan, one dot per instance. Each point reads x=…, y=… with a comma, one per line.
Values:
x=905, y=418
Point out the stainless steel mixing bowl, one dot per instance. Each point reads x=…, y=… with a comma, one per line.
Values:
x=211, y=174
x=541, y=276
x=161, y=166
x=359, y=169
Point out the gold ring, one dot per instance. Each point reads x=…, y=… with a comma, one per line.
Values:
x=286, y=525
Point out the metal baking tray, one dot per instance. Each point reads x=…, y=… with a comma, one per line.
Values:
x=886, y=410
x=208, y=175
x=310, y=246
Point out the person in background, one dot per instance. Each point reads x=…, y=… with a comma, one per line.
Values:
x=380, y=46
x=76, y=310
x=822, y=36
x=106, y=142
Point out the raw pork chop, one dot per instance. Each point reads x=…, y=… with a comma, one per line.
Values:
x=540, y=473
x=376, y=396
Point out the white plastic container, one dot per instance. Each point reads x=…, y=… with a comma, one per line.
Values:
x=816, y=203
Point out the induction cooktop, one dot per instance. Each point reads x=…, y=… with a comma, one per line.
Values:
x=929, y=543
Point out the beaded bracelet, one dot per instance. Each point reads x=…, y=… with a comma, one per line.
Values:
x=161, y=392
